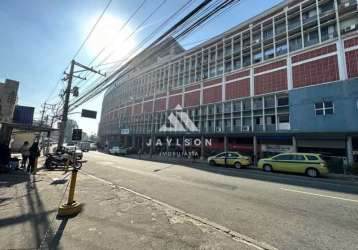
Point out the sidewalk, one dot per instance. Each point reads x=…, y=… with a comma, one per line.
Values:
x=112, y=218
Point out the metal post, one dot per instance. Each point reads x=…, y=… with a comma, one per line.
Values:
x=202, y=148
x=71, y=193
x=294, y=144
x=349, y=148
x=255, y=150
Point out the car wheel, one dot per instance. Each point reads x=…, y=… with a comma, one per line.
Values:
x=237, y=165
x=212, y=162
x=312, y=172
x=267, y=168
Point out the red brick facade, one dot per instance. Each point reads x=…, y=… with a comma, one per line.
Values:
x=173, y=92
x=238, y=75
x=237, y=89
x=212, y=82
x=351, y=42
x=160, y=104
x=192, y=98
x=174, y=101
x=270, y=66
x=148, y=107
x=211, y=95
x=315, y=72
x=196, y=86
x=137, y=109
x=271, y=82
x=314, y=53
x=352, y=63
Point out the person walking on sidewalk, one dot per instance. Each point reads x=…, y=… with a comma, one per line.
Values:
x=25, y=153
x=34, y=154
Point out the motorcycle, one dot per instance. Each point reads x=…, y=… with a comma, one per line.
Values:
x=61, y=160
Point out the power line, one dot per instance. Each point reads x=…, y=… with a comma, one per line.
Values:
x=92, y=30
x=96, y=90
x=81, y=46
x=120, y=30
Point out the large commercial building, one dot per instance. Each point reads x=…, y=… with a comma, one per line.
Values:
x=283, y=80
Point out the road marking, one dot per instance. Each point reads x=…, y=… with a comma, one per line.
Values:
x=233, y=234
x=319, y=195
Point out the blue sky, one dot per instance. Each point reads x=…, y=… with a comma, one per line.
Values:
x=40, y=37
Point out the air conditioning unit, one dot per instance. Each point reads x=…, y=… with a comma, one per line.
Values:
x=350, y=28
x=219, y=129
x=246, y=128
x=347, y=4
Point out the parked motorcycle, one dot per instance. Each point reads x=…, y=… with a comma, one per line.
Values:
x=61, y=160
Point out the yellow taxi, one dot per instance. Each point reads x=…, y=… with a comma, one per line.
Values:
x=230, y=159
x=302, y=163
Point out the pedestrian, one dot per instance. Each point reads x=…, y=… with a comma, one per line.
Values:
x=5, y=156
x=34, y=154
x=25, y=153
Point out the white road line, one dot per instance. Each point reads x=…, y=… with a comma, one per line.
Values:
x=233, y=234
x=319, y=195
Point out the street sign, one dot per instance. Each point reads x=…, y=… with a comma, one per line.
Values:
x=89, y=113
x=125, y=131
x=76, y=134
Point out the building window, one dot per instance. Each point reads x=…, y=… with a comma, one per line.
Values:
x=324, y=108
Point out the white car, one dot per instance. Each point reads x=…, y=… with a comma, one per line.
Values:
x=114, y=150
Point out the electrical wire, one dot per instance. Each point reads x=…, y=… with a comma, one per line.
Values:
x=190, y=29
x=107, y=45
x=81, y=46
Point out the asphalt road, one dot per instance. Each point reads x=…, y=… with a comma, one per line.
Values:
x=284, y=211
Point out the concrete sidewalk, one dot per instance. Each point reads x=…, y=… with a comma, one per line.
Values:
x=112, y=218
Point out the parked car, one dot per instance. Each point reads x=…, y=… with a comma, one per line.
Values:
x=114, y=150
x=85, y=146
x=93, y=146
x=232, y=159
x=304, y=163
x=123, y=151
x=71, y=149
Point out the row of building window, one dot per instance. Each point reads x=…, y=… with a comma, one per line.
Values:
x=295, y=29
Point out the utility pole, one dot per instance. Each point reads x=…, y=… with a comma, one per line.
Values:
x=67, y=94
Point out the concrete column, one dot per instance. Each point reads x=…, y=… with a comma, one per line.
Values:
x=134, y=143
x=225, y=143
x=349, y=148
x=341, y=60
x=294, y=144
x=202, y=148
x=289, y=73
x=143, y=143
x=152, y=146
x=183, y=146
x=255, y=150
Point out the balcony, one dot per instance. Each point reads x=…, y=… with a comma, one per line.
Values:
x=306, y=20
x=294, y=25
x=347, y=5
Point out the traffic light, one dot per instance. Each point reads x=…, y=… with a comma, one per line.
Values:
x=76, y=134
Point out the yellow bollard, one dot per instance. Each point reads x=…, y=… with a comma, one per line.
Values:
x=71, y=207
